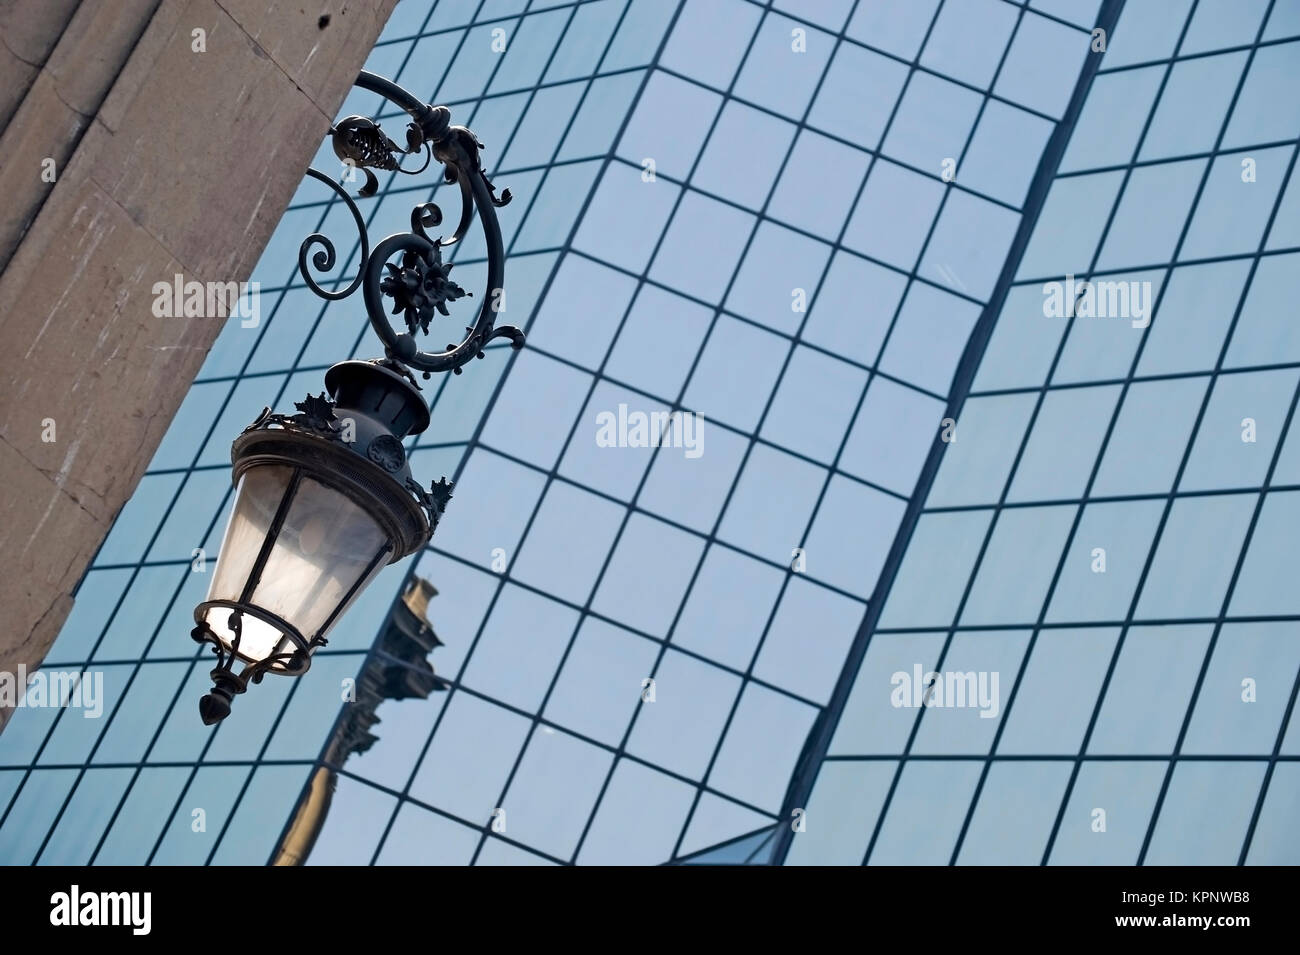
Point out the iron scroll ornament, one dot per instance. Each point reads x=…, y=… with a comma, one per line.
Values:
x=418, y=284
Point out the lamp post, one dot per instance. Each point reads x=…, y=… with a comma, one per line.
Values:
x=325, y=498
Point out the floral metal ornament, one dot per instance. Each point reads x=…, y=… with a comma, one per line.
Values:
x=315, y=415
x=434, y=501
x=316, y=412
x=421, y=286
x=361, y=144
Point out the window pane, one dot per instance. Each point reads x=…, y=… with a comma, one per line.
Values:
x=1274, y=841
x=906, y=200
x=466, y=765
x=1108, y=328
x=1148, y=692
x=647, y=575
x=1126, y=793
x=758, y=753
x=953, y=260
x=993, y=169
x=1113, y=117
x=967, y=40
x=1151, y=214
x=1054, y=466
x=1263, y=587
x=212, y=794
x=1195, y=557
x=929, y=337
x=639, y=818
x=743, y=138
x=553, y=558
x=1240, y=429
x=554, y=791
x=1069, y=226
x=853, y=561
x=987, y=659
x=750, y=521
x=842, y=812
x=690, y=490
x=626, y=215
x=1260, y=338
x=1058, y=692
x=777, y=76
x=896, y=26
x=1105, y=561
x=1246, y=689
x=605, y=466
x=420, y=837
x=821, y=211
x=531, y=429
x=976, y=464
x=32, y=812
x=871, y=724
x=1259, y=116
x=709, y=39
x=1023, y=344
x=813, y=404
x=1232, y=213
x=1150, y=436
x=932, y=122
x=895, y=417
x=1042, y=65
x=658, y=342
x=865, y=290
x=1015, y=815
x=858, y=95
x=778, y=297
x=736, y=373
x=1198, y=304
x=1017, y=568
x=805, y=647
x=270, y=799
x=520, y=647
x=600, y=684
x=1191, y=108
x=85, y=816
x=935, y=569
x=1205, y=814
x=728, y=608
x=1147, y=30
x=678, y=730
x=926, y=813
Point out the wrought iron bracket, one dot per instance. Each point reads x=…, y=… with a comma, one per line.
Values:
x=417, y=285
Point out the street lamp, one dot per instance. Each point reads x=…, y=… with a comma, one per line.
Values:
x=325, y=497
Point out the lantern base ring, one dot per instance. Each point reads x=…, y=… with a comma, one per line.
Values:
x=226, y=684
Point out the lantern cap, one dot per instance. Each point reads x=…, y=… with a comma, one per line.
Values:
x=383, y=386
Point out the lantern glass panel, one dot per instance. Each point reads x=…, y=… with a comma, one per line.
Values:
x=326, y=550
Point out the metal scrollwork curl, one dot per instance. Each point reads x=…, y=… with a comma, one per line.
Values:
x=425, y=216
x=325, y=257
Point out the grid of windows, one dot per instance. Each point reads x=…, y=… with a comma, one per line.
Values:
x=1112, y=529
x=786, y=218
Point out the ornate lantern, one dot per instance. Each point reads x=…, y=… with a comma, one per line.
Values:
x=325, y=497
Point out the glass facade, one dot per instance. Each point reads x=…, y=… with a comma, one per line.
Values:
x=1110, y=528
x=812, y=248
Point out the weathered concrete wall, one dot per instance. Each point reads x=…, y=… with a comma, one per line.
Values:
x=168, y=160
x=28, y=31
